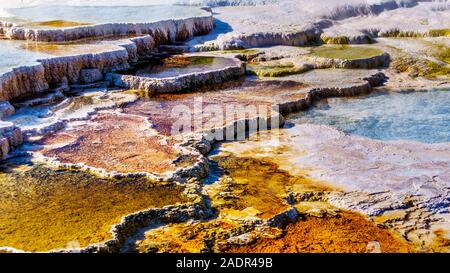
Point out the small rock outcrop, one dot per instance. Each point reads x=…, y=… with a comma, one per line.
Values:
x=163, y=31
x=284, y=22
x=10, y=136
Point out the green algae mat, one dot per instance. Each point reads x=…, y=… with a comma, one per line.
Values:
x=346, y=52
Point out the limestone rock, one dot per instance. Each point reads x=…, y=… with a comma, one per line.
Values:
x=23, y=80
x=90, y=75
x=284, y=22
x=39, y=77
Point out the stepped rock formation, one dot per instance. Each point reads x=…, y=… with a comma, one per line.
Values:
x=364, y=63
x=284, y=22
x=283, y=97
x=86, y=68
x=163, y=31
x=23, y=80
x=404, y=22
x=180, y=82
x=58, y=70
x=90, y=146
x=10, y=136
x=402, y=184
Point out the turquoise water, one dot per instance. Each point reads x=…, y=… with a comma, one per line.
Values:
x=101, y=14
x=421, y=116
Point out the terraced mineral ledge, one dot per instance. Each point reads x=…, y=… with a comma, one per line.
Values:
x=246, y=126
x=79, y=68
x=177, y=74
x=79, y=22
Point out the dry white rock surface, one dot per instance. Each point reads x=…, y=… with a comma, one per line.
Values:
x=288, y=22
x=418, y=20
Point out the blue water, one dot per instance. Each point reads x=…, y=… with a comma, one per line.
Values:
x=422, y=115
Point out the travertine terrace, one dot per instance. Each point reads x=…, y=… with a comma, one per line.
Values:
x=234, y=127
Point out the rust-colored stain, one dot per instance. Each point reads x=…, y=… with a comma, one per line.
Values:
x=123, y=143
x=346, y=233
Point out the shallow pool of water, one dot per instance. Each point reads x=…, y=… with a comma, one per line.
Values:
x=100, y=14
x=181, y=65
x=421, y=116
x=12, y=54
